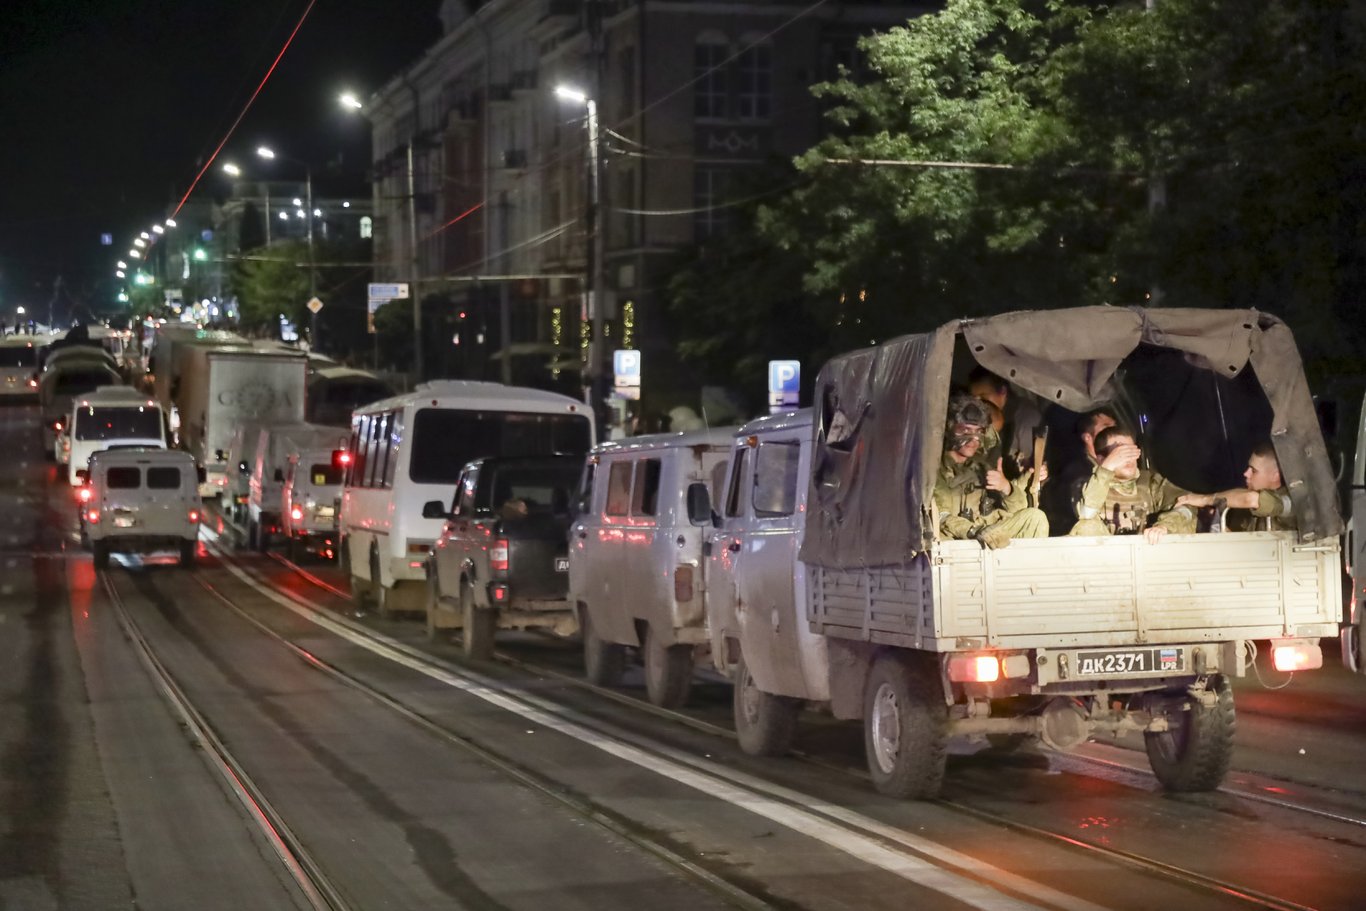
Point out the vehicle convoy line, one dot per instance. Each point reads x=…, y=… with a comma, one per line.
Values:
x=316, y=886
x=967, y=879
x=1152, y=865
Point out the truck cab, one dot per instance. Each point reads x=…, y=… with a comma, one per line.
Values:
x=111, y=416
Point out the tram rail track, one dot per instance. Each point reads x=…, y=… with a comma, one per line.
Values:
x=1171, y=872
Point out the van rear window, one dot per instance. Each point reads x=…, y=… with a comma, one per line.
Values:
x=325, y=475
x=106, y=423
x=445, y=439
x=164, y=477
x=123, y=477
x=18, y=356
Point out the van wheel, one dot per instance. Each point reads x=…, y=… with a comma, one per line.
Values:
x=668, y=671
x=187, y=553
x=434, y=630
x=480, y=625
x=764, y=723
x=1195, y=752
x=603, y=662
x=101, y=552
x=905, y=728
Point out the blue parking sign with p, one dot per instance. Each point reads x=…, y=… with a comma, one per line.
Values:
x=784, y=384
x=626, y=367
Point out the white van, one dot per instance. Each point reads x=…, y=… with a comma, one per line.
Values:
x=108, y=417
x=635, y=556
x=308, y=508
x=265, y=487
x=141, y=500
x=409, y=449
x=756, y=586
x=18, y=366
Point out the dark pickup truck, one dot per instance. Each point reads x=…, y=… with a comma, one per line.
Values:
x=501, y=561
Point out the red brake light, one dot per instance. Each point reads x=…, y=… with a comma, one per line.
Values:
x=1296, y=656
x=57, y=426
x=498, y=556
x=296, y=514
x=84, y=494
x=974, y=669
x=194, y=515
x=340, y=458
x=93, y=516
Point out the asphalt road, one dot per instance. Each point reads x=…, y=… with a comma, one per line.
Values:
x=506, y=787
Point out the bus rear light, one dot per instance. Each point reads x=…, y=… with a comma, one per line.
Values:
x=683, y=587
x=974, y=669
x=92, y=516
x=1289, y=655
x=498, y=556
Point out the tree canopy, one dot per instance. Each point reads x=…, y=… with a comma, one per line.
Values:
x=1010, y=154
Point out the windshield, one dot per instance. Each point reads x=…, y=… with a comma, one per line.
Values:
x=17, y=356
x=444, y=439
x=76, y=382
x=105, y=423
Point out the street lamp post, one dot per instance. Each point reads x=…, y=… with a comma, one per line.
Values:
x=593, y=388
x=235, y=171
x=349, y=101
x=266, y=152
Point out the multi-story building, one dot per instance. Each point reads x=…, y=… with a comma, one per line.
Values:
x=688, y=94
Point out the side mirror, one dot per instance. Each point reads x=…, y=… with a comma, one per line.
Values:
x=699, y=504
x=279, y=476
x=433, y=509
x=83, y=475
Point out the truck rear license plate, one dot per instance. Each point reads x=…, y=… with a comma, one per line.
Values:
x=1129, y=661
x=124, y=521
x=561, y=564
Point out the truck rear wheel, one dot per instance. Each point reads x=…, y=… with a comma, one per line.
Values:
x=101, y=551
x=1194, y=753
x=668, y=671
x=603, y=662
x=480, y=624
x=764, y=723
x=905, y=728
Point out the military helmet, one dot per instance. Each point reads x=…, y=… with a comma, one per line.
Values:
x=968, y=420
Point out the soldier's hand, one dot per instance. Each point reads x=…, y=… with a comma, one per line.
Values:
x=1195, y=499
x=996, y=479
x=993, y=536
x=1121, y=455
x=1154, y=534
x=1041, y=475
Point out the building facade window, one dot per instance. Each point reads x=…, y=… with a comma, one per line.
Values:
x=754, y=98
x=710, y=93
x=709, y=187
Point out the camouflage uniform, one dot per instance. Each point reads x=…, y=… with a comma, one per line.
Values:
x=967, y=508
x=1273, y=512
x=1107, y=506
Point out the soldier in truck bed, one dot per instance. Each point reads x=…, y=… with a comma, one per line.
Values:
x=1120, y=498
x=974, y=498
x=1265, y=497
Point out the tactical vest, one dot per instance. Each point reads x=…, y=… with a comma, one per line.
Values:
x=1127, y=506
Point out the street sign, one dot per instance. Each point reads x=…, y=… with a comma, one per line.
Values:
x=625, y=368
x=314, y=305
x=391, y=291
x=784, y=384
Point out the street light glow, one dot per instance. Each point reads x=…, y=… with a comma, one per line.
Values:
x=145, y=236
x=158, y=229
x=349, y=100
x=119, y=273
x=139, y=242
x=135, y=254
x=232, y=169
x=265, y=152
x=170, y=222
x=122, y=265
x=569, y=93
x=19, y=310
x=298, y=202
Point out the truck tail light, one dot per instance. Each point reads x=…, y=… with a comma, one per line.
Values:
x=57, y=426
x=296, y=514
x=498, y=594
x=498, y=556
x=974, y=669
x=683, y=587
x=1296, y=656
x=92, y=516
x=84, y=494
x=193, y=515
x=32, y=383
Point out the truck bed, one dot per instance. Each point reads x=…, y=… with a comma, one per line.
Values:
x=1062, y=592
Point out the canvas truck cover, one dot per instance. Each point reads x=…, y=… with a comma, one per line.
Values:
x=880, y=412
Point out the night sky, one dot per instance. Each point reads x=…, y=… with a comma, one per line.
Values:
x=108, y=109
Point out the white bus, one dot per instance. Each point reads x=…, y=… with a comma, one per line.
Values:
x=409, y=449
x=19, y=365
